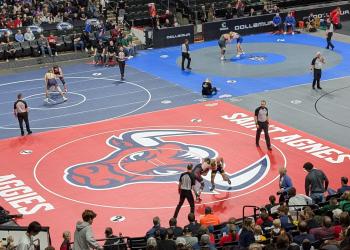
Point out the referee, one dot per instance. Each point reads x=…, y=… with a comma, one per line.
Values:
x=185, y=51
x=262, y=123
x=121, y=61
x=186, y=182
x=20, y=110
x=316, y=65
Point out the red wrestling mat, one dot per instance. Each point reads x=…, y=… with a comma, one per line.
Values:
x=126, y=169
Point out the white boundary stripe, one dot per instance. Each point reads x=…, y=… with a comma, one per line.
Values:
x=106, y=86
x=92, y=110
x=145, y=208
x=86, y=77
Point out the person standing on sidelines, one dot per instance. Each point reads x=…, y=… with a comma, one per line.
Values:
x=121, y=62
x=262, y=123
x=316, y=183
x=20, y=110
x=186, y=183
x=185, y=51
x=329, y=33
x=316, y=65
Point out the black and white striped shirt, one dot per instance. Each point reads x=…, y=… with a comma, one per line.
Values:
x=186, y=181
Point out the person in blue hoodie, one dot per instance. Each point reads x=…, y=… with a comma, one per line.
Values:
x=289, y=22
x=277, y=23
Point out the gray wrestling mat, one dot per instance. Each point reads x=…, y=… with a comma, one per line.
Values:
x=324, y=113
x=283, y=58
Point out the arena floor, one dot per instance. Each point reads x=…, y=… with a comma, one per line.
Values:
x=118, y=147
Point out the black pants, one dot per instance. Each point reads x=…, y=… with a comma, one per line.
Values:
x=122, y=68
x=317, y=78
x=184, y=57
x=184, y=194
x=23, y=117
x=329, y=40
x=263, y=126
x=10, y=54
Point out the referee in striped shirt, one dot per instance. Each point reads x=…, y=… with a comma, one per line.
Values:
x=186, y=182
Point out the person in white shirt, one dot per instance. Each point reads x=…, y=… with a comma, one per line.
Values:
x=329, y=33
x=297, y=201
x=27, y=241
x=29, y=36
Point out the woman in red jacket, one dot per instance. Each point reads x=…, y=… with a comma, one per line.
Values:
x=335, y=17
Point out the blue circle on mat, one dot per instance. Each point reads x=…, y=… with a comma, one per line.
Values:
x=258, y=58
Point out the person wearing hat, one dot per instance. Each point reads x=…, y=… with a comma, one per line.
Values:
x=316, y=65
x=208, y=89
x=316, y=183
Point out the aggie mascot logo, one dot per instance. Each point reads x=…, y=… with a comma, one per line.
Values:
x=145, y=157
x=119, y=168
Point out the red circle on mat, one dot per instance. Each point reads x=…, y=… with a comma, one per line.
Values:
x=138, y=169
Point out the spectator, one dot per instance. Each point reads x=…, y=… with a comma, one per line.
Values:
x=272, y=207
x=10, y=24
x=344, y=185
x=66, y=241
x=275, y=9
x=155, y=229
x=85, y=37
x=83, y=235
x=193, y=225
x=277, y=23
x=208, y=89
x=258, y=233
x=10, y=52
x=17, y=23
x=289, y=22
x=265, y=221
x=188, y=237
x=246, y=236
x=225, y=230
x=6, y=38
x=333, y=204
x=286, y=220
x=209, y=219
x=204, y=243
x=26, y=21
x=303, y=228
x=52, y=40
x=111, y=53
x=10, y=245
x=326, y=231
x=229, y=11
x=316, y=183
x=29, y=36
x=276, y=228
x=344, y=221
x=335, y=17
x=100, y=53
x=265, y=10
x=26, y=241
x=44, y=45
x=77, y=42
x=173, y=225
x=239, y=8
x=345, y=201
x=112, y=241
x=203, y=14
x=297, y=200
x=231, y=236
x=309, y=217
x=282, y=241
x=165, y=242
x=285, y=184
x=252, y=12
x=151, y=244
x=311, y=23
x=211, y=13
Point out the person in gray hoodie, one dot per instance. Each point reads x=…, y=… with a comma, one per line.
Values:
x=83, y=236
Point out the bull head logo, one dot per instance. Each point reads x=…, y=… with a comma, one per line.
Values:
x=143, y=156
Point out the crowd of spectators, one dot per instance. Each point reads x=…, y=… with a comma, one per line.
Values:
x=296, y=222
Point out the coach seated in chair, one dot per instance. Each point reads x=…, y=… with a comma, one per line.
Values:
x=289, y=22
x=208, y=89
x=277, y=23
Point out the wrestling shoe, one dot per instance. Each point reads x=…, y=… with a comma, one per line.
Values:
x=238, y=55
x=46, y=100
x=212, y=188
x=229, y=181
x=222, y=58
x=64, y=98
